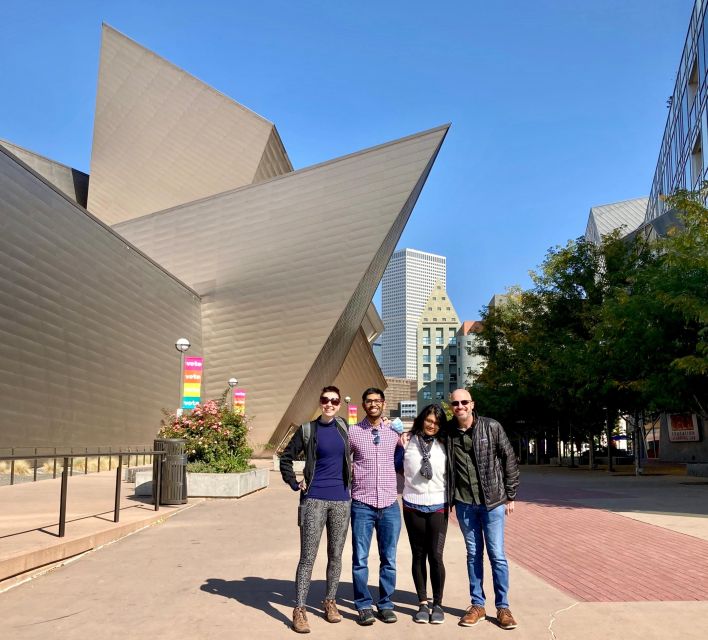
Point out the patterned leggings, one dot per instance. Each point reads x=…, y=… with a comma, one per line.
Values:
x=314, y=515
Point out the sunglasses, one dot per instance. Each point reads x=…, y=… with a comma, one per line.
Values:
x=377, y=437
x=333, y=401
x=457, y=403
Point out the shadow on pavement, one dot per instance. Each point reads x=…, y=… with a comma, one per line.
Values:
x=264, y=594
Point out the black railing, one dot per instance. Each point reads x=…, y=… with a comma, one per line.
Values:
x=57, y=453
x=119, y=472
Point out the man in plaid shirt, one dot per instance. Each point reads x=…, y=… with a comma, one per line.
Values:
x=374, y=506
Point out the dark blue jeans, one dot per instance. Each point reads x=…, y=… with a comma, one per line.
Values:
x=387, y=523
x=479, y=526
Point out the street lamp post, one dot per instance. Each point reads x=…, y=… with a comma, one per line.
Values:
x=232, y=383
x=181, y=345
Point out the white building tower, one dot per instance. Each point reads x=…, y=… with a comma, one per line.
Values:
x=405, y=288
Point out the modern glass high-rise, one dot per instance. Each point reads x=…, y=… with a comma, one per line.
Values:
x=406, y=285
x=683, y=162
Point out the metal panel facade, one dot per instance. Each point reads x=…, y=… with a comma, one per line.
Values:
x=266, y=263
x=72, y=182
x=87, y=324
x=162, y=138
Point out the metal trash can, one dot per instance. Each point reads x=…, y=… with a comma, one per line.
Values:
x=174, y=471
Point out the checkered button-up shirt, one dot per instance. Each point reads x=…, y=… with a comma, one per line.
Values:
x=373, y=471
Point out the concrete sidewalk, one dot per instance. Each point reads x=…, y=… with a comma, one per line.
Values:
x=29, y=520
x=225, y=568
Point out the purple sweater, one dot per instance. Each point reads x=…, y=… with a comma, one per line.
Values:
x=328, y=482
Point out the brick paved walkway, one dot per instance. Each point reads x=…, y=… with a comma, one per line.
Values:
x=599, y=556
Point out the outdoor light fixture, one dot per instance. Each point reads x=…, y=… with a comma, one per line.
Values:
x=347, y=399
x=232, y=383
x=182, y=345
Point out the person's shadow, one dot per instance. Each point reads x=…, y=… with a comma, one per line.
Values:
x=264, y=593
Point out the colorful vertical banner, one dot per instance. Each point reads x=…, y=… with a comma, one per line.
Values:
x=352, y=414
x=240, y=401
x=192, y=382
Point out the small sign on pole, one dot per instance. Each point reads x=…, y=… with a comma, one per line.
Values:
x=240, y=401
x=192, y=382
x=352, y=414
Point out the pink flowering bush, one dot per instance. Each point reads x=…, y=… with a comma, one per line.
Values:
x=217, y=438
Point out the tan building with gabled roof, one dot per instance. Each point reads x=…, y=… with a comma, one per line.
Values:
x=437, y=348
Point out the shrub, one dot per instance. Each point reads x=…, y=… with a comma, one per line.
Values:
x=216, y=437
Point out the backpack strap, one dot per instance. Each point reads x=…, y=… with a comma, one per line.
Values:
x=306, y=433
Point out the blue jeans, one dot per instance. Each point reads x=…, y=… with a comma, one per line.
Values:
x=479, y=526
x=387, y=523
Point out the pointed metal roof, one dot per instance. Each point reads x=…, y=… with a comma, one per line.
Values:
x=603, y=219
x=162, y=137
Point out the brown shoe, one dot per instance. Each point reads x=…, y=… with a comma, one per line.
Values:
x=300, y=624
x=473, y=615
x=505, y=619
x=331, y=612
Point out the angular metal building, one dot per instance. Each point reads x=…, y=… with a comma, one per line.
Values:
x=220, y=239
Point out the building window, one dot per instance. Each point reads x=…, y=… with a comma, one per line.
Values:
x=453, y=340
x=440, y=376
x=439, y=336
x=439, y=357
x=438, y=395
x=426, y=394
x=697, y=162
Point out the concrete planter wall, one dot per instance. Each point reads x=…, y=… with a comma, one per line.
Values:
x=212, y=485
x=298, y=465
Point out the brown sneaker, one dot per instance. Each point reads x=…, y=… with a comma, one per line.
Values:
x=505, y=619
x=331, y=612
x=473, y=615
x=300, y=624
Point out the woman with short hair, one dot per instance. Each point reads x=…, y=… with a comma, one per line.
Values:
x=325, y=500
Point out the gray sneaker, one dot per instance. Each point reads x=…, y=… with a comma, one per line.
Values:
x=437, y=616
x=422, y=616
x=366, y=617
x=387, y=615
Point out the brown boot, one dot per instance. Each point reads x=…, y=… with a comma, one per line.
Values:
x=300, y=620
x=331, y=612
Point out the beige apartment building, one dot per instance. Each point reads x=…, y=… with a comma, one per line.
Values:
x=437, y=348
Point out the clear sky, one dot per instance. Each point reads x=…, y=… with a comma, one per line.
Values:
x=555, y=105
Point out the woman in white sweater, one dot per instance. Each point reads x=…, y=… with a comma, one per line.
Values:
x=425, y=508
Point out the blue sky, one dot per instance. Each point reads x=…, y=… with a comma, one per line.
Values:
x=555, y=105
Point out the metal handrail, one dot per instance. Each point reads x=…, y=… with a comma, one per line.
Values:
x=136, y=451
x=157, y=468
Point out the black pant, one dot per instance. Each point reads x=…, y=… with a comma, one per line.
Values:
x=426, y=533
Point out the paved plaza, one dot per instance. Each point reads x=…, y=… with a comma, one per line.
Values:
x=592, y=556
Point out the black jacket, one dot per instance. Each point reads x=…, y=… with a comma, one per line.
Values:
x=496, y=462
x=297, y=445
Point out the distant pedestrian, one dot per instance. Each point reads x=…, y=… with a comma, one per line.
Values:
x=324, y=500
x=482, y=479
x=374, y=506
x=425, y=507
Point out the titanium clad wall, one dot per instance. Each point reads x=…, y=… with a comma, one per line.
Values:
x=162, y=138
x=87, y=324
x=275, y=161
x=72, y=182
x=264, y=258
x=359, y=371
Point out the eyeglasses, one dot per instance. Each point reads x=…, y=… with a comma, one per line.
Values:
x=368, y=401
x=375, y=433
x=457, y=403
x=333, y=401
